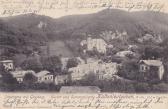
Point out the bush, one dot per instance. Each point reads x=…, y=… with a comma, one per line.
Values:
x=73, y=62
x=162, y=87
x=8, y=83
x=118, y=86
x=32, y=64
x=142, y=87
x=129, y=69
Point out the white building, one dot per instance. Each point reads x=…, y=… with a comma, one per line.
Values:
x=102, y=70
x=7, y=64
x=107, y=70
x=61, y=79
x=152, y=69
x=44, y=77
x=98, y=44
x=77, y=73
x=20, y=74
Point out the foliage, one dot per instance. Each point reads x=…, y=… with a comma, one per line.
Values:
x=162, y=87
x=29, y=78
x=151, y=52
x=52, y=63
x=32, y=64
x=129, y=69
x=142, y=87
x=73, y=62
x=7, y=82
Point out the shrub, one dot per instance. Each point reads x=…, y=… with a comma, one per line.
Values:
x=142, y=87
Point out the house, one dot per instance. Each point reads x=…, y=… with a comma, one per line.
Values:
x=77, y=73
x=151, y=69
x=80, y=89
x=101, y=69
x=20, y=74
x=61, y=79
x=7, y=64
x=44, y=77
x=98, y=44
x=107, y=70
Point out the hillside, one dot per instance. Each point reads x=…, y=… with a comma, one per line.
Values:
x=32, y=30
x=135, y=23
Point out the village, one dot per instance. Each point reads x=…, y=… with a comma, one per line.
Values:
x=103, y=68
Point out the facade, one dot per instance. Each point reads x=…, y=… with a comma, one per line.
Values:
x=77, y=73
x=20, y=74
x=98, y=44
x=44, y=77
x=7, y=64
x=101, y=69
x=61, y=79
x=152, y=69
x=107, y=70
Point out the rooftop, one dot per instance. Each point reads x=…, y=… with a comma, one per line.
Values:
x=21, y=73
x=152, y=62
x=42, y=73
x=6, y=61
x=79, y=89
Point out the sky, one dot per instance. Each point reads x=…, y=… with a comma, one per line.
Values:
x=59, y=8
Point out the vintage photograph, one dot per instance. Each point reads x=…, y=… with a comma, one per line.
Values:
x=111, y=50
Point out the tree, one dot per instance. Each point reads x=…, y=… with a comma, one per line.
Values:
x=142, y=87
x=8, y=82
x=151, y=52
x=29, y=78
x=32, y=64
x=8, y=78
x=73, y=62
x=129, y=69
x=52, y=64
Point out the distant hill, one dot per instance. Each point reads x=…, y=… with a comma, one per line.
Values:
x=32, y=30
x=135, y=23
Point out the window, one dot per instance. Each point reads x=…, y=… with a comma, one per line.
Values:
x=45, y=78
x=143, y=68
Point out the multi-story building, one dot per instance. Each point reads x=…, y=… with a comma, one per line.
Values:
x=98, y=44
x=100, y=69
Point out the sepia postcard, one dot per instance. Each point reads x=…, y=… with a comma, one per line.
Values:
x=83, y=54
